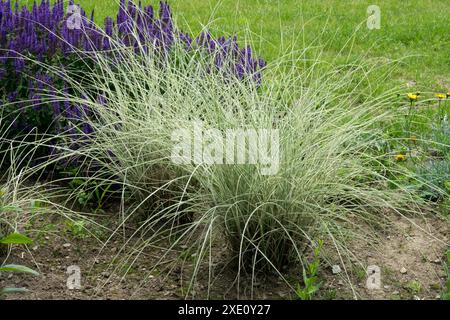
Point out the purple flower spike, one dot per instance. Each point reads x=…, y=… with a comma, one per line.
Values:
x=42, y=32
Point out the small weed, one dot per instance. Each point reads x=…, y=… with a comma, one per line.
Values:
x=311, y=285
x=15, y=238
x=330, y=294
x=361, y=274
x=77, y=228
x=89, y=193
x=414, y=287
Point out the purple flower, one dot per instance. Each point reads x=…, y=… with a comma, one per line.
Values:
x=12, y=96
x=42, y=33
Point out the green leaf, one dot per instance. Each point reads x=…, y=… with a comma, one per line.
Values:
x=447, y=185
x=18, y=268
x=312, y=290
x=16, y=238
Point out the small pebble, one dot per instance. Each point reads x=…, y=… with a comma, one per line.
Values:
x=403, y=270
x=336, y=269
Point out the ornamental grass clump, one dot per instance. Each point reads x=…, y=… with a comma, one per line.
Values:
x=329, y=179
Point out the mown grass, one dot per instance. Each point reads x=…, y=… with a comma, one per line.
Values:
x=416, y=31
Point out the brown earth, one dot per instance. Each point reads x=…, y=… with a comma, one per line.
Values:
x=410, y=257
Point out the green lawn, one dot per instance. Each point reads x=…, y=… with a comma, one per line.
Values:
x=418, y=29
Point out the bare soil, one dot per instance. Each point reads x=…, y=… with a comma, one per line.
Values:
x=410, y=257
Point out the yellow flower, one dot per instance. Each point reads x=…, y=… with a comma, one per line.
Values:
x=440, y=96
x=400, y=157
x=412, y=96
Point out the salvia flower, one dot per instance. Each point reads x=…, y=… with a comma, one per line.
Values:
x=45, y=33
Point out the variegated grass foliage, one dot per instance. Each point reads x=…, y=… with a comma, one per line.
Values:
x=332, y=181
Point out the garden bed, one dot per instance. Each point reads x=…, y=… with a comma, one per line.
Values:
x=421, y=253
x=149, y=162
